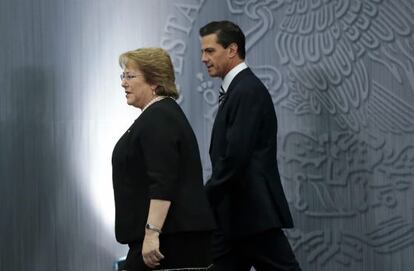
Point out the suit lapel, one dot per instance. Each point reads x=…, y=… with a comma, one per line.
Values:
x=237, y=79
x=230, y=89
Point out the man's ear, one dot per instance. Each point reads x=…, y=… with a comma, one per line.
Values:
x=233, y=49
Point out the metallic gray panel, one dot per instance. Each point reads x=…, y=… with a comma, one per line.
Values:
x=341, y=77
x=61, y=112
x=340, y=74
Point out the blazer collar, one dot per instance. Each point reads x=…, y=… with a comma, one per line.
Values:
x=231, y=75
x=237, y=78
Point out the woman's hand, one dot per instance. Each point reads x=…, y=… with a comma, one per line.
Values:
x=151, y=249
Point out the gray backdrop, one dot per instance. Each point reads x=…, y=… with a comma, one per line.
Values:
x=341, y=74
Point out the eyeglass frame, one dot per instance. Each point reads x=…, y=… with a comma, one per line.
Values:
x=127, y=77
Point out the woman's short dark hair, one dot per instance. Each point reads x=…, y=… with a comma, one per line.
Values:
x=227, y=33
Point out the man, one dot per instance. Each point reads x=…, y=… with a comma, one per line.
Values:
x=244, y=190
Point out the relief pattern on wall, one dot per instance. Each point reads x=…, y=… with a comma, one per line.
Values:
x=341, y=76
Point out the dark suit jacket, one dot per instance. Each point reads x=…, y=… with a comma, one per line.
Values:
x=158, y=158
x=245, y=189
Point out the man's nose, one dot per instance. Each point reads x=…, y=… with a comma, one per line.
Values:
x=203, y=57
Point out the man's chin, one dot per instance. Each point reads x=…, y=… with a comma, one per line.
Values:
x=213, y=74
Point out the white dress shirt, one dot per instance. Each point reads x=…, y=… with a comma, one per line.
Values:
x=231, y=74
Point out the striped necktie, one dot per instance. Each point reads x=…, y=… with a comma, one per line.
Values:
x=222, y=94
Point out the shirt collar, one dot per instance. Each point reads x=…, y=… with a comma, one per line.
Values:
x=231, y=74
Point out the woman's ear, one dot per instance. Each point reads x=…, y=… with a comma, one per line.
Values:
x=153, y=88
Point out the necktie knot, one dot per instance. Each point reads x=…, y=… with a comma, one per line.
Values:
x=222, y=95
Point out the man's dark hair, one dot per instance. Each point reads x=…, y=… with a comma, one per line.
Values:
x=227, y=33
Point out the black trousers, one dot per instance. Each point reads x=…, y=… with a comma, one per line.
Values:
x=181, y=250
x=265, y=251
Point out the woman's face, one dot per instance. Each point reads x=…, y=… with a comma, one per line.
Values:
x=138, y=92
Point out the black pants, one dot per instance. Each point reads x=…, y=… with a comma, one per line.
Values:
x=181, y=250
x=266, y=251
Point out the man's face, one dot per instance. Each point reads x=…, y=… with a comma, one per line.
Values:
x=214, y=56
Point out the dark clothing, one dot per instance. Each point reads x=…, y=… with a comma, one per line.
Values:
x=158, y=158
x=191, y=248
x=245, y=190
x=265, y=251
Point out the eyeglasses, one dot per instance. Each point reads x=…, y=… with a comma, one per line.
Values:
x=128, y=77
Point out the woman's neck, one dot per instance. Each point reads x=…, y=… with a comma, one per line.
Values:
x=154, y=100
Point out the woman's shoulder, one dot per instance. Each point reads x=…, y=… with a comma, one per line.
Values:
x=161, y=113
x=161, y=106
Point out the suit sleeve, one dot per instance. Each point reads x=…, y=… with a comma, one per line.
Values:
x=245, y=109
x=159, y=142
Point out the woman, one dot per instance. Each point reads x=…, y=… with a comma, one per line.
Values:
x=161, y=208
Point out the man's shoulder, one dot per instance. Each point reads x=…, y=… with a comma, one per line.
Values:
x=248, y=81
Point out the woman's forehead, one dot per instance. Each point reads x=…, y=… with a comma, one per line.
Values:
x=131, y=66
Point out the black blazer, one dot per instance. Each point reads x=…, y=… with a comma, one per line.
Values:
x=245, y=189
x=158, y=158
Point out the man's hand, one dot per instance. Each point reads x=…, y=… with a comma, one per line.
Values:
x=151, y=249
